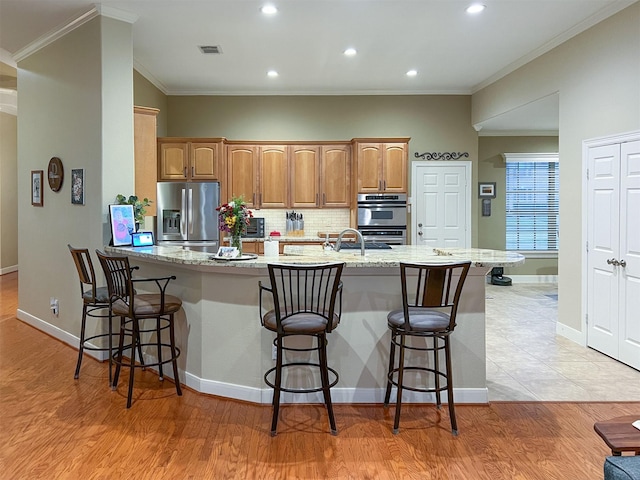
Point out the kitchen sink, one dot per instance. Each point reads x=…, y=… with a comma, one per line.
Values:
x=367, y=246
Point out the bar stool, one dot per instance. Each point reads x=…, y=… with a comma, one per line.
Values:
x=128, y=304
x=304, y=304
x=94, y=300
x=430, y=299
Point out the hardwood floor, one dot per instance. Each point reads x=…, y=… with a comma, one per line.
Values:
x=55, y=427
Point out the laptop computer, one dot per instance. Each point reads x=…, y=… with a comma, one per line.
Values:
x=142, y=239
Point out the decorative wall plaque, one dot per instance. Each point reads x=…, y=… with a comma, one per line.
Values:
x=55, y=174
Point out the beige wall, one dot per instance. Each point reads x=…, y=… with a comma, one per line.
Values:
x=435, y=123
x=597, y=75
x=8, y=193
x=145, y=94
x=76, y=103
x=491, y=168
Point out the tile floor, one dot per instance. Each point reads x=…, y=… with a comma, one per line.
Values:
x=527, y=360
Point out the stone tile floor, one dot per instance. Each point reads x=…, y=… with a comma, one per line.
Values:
x=528, y=361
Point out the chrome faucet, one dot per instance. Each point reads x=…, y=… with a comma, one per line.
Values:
x=358, y=234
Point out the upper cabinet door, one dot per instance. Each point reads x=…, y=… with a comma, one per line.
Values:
x=205, y=161
x=274, y=177
x=173, y=161
x=305, y=176
x=369, y=167
x=394, y=167
x=243, y=173
x=335, y=176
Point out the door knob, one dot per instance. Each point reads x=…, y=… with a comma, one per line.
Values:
x=612, y=261
x=420, y=233
x=420, y=225
x=622, y=263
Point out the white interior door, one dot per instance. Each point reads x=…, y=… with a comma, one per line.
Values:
x=603, y=244
x=629, y=268
x=441, y=200
x=613, y=283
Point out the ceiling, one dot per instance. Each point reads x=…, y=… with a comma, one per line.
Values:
x=453, y=52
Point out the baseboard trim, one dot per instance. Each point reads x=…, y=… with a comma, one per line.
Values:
x=58, y=334
x=533, y=278
x=571, y=334
x=5, y=270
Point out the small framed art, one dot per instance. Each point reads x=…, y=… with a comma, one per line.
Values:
x=487, y=189
x=77, y=186
x=122, y=224
x=36, y=188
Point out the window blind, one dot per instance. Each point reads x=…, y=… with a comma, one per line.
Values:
x=532, y=211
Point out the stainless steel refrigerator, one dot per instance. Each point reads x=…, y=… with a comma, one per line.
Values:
x=187, y=215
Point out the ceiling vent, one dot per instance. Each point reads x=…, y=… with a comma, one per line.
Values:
x=211, y=49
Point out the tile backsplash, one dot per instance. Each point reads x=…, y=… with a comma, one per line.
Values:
x=315, y=219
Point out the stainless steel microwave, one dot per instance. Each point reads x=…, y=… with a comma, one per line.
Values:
x=255, y=229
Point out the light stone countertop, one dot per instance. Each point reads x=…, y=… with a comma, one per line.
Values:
x=314, y=254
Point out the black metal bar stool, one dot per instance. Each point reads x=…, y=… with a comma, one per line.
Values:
x=95, y=304
x=304, y=304
x=430, y=298
x=128, y=304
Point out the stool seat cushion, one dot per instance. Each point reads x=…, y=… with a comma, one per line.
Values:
x=303, y=322
x=622, y=468
x=420, y=320
x=102, y=296
x=148, y=305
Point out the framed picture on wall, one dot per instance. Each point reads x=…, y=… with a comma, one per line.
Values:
x=36, y=188
x=77, y=186
x=122, y=224
x=487, y=189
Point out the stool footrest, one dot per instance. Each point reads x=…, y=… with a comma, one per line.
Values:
x=300, y=390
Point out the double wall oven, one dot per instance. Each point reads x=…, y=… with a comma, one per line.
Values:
x=382, y=217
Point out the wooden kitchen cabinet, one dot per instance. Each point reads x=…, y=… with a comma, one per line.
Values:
x=382, y=167
x=242, y=174
x=320, y=176
x=273, y=182
x=184, y=160
x=145, y=154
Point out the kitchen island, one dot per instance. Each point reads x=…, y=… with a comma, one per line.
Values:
x=225, y=350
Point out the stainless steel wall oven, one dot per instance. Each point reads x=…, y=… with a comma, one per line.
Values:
x=382, y=217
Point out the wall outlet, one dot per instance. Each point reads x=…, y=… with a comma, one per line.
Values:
x=54, y=305
x=274, y=352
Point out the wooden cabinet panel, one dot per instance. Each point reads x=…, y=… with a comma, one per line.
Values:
x=305, y=176
x=274, y=177
x=382, y=167
x=335, y=176
x=145, y=154
x=242, y=170
x=394, y=167
x=173, y=161
x=186, y=160
x=205, y=161
x=369, y=167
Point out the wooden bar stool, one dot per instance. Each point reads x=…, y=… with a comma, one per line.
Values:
x=128, y=304
x=95, y=304
x=305, y=298
x=430, y=297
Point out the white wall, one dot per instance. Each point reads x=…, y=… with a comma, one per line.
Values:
x=75, y=104
x=597, y=75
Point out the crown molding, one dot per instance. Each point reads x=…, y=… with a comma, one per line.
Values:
x=70, y=25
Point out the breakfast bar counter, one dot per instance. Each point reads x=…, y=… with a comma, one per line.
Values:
x=225, y=350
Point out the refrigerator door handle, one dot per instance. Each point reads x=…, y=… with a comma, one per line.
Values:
x=190, y=211
x=183, y=215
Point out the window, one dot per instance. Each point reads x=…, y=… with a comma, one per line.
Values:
x=532, y=197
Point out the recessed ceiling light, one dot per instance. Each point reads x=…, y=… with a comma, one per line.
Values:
x=350, y=52
x=269, y=9
x=475, y=8
x=412, y=73
x=272, y=73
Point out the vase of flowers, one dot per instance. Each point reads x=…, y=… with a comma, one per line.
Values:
x=233, y=218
